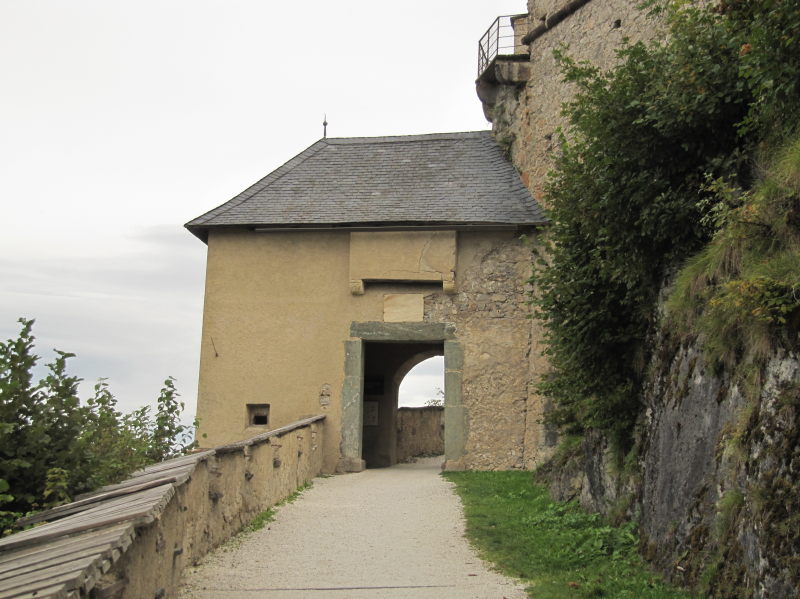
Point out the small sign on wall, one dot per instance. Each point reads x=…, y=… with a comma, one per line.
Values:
x=371, y=413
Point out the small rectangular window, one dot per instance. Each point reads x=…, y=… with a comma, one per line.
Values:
x=257, y=414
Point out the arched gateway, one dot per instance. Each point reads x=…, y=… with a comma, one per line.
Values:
x=329, y=276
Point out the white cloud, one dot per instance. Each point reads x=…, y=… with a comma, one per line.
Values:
x=422, y=383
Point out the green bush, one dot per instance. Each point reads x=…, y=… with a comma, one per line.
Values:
x=53, y=446
x=630, y=195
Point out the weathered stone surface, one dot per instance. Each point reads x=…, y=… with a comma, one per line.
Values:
x=420, y=432
x=490, y=313
x=401, y=331
x=527, y=118
x=705, y=438
x=701, y=440
x=352, y=416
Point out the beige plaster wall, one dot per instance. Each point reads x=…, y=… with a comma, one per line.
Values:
x=402, y=255
x=278, y=310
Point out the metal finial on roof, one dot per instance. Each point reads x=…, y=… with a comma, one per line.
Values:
x=325, y=126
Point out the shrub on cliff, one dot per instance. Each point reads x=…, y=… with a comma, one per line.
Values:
x=629, y=195
x=53, y=447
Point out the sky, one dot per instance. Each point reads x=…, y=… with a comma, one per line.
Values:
x=121, y=120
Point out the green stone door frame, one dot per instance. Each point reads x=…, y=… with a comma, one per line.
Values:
x=455, y=415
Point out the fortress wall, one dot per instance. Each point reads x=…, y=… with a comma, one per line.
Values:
x=527, y=116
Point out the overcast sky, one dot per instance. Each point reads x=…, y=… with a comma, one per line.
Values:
x=120, y=120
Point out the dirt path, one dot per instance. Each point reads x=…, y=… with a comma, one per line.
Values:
x=388, y=533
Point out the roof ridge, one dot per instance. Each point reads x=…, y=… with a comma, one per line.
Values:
x=273, y=176
x=408, y=138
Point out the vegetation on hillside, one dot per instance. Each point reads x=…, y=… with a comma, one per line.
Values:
x=53, y=446
x=557, y=548
x=657, y=161
x=742, y=291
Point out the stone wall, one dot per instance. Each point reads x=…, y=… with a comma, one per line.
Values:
x=524, y=101
x=223, y=494
x=490, y=312
x=420, y=432
x=721, y=472
x=526, y=114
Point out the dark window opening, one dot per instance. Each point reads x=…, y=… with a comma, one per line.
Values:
x=257, y=414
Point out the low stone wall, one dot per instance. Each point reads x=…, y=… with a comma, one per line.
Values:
x=420, y=431
x=225, y=492
x=132, y=540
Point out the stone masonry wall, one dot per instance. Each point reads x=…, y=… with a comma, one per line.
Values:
x=420, y=432
x=526, y=116
x=491, y=315
x=715, y=485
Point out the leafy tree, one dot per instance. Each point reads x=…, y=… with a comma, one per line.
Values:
x=53, y=446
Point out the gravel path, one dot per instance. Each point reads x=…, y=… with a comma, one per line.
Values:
x=388, y=533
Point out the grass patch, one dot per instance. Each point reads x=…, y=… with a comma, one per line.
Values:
x=559, y=549
x=268, y=515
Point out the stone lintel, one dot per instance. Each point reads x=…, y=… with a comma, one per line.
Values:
x=402, y=331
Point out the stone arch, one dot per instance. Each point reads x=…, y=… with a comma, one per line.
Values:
x=413, y=361
x=354, y=391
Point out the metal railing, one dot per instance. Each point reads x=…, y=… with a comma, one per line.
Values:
x=503, y=38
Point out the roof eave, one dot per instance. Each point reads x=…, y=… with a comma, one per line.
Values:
x=202, y=231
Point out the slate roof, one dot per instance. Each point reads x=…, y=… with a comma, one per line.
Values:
x=413, y=180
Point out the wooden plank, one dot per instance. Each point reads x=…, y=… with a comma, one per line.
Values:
x=52, y=592
x=68, y=580
x=96, y=512
x=135, y=478
x=137, y=518
x=77, y=506
x=121, y=500
x=131, y=503
x=89, y=567
x=113, y=535
x=78, y=574
x=192, y=457
x=181, y=475
x=23, y=567
x=151, y=494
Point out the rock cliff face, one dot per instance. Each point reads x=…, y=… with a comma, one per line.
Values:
x=715, y=478
x=720, y=466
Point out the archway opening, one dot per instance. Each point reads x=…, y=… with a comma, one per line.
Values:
x=423, y=386
x=386, y=434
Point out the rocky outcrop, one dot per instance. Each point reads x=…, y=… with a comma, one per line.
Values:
x=714, y=479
